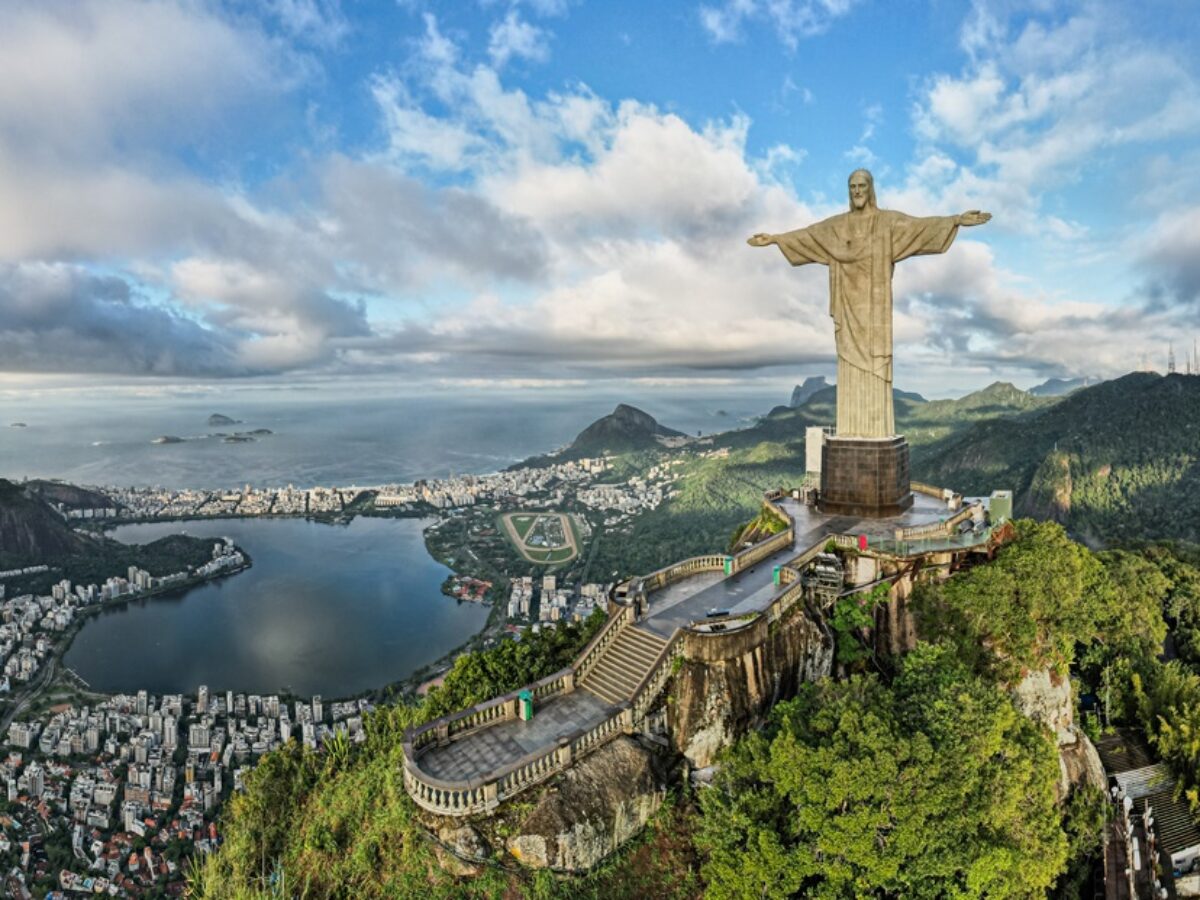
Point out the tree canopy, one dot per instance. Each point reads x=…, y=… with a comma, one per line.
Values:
x=933, y=786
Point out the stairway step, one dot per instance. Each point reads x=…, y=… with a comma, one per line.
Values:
x=635, y=631
x=606, y=696
x=637, y=654
x=611, y=673
x=609, y=690
x=638, y=638
x=632, y=639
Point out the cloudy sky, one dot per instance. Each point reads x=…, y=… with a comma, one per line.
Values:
x=536, y=191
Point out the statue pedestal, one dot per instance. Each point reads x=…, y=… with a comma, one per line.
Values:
x=865, y=477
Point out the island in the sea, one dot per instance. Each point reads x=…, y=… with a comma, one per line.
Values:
x=217, y=420
x=167, y=439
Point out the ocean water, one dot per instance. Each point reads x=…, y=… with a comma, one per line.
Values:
x=324, y=436
x=330, y=610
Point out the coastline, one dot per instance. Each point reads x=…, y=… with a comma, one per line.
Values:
x=54, y=659
x=407, y=685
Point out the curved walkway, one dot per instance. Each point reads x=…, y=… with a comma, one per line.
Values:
x=615, y=678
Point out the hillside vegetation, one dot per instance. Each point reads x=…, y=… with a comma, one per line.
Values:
x=922, y=781
x=1115, y=462
x=33, y=534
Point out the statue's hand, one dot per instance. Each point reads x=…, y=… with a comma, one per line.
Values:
x=974, y=217
x=761, y=240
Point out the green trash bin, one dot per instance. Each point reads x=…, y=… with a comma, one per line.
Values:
x=775, y=575
x=525, y=705
x=729, y=565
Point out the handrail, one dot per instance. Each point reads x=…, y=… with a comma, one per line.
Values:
x=669, y=650
x=608, y=631
x=483, y=793
x=929, y=490
x=946, y=527
x=432, y=727
x=661, y=578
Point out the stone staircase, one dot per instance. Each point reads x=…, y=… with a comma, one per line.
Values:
x=624, y=664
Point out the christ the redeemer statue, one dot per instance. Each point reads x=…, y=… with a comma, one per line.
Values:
x=861, y=248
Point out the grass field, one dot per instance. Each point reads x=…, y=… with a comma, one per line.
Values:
x=529, y=533
x=521, y=524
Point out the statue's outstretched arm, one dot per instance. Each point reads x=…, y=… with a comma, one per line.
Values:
x=974, y=217
x=799, y=247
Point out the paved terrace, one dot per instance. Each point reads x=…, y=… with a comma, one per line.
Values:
x=752, y=590
x=475, y=755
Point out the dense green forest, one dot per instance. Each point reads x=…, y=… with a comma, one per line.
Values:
x=1116, y=462
x=915, y=777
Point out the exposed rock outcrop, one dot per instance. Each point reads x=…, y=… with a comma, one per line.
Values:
x=588, y=811
x=728, y=682
x=462, y=850
x=1079, y=765
x=812, y=384
x=1046, y=697
x=626, y=428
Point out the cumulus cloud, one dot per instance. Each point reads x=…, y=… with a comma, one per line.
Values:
x=791, y=19
x=492, y=231
x=90, y=78
x=318, y=22
x=1170, y=257
x=514, y=38
x=962, y=310
x=1034, y=110
x=53, y=315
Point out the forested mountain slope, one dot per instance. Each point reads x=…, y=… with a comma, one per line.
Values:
x=1117, y=461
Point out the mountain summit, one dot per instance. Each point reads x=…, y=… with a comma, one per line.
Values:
x=625, y=428
x=802, y=392
x=30, y=531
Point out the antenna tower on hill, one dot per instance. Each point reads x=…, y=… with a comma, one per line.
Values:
x=1170, y=359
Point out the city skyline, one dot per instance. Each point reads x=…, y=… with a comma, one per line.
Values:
x=557, y=193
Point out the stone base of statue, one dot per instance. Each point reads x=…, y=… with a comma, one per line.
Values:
x=865, y=477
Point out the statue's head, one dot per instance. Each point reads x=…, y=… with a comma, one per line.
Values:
x=862, y=190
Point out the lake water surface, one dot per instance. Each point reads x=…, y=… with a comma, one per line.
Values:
x=325, y=609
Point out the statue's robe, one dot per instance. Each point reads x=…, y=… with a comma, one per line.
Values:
x=861, y=249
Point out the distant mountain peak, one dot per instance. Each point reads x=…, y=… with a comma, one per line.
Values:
x=30, y=531
x=625, y=428
x=802, y=392
x=1059, y=387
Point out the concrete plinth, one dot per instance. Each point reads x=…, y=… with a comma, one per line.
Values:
x=865, y=477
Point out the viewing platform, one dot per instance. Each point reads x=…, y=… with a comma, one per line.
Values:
x=470, y=762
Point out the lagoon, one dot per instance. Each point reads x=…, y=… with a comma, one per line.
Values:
x=333, y=610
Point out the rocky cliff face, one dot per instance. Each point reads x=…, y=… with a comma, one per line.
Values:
x=1046, y=697
x=573, y=821
x=729, y=682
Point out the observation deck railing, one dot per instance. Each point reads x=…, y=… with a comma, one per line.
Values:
x=483, y=794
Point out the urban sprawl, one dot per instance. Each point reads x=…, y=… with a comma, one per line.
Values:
x=109, y=798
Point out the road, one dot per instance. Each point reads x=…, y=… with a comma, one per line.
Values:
x=26, y=695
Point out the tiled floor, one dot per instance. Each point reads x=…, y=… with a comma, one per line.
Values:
x=489, y=749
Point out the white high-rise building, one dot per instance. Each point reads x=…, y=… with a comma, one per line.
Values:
x=202, y=699
x=35, y=778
